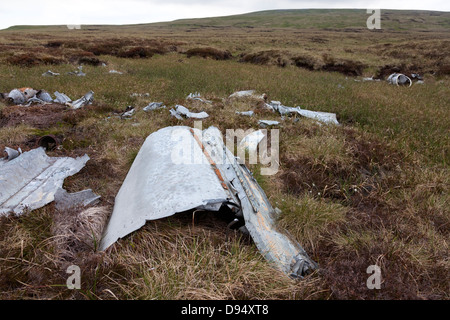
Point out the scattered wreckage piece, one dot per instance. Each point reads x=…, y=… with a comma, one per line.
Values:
x=50, y=73
x=11, y=153
x=251, y=141
x=154, y=106
x=179, y=169
x=129, y=112
x=88, y=98
x=135, y=94
x=180, y=111
x=325, y=117
x=399, y=79
x=247, y=94
x=31, y=180
x=267, y=123
x=245, y=113
x=20, y=96
x=61, y=98
x=115, y=72
x=78, y=72
x=197, y=96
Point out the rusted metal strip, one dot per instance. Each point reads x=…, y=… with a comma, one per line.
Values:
x=211, y=161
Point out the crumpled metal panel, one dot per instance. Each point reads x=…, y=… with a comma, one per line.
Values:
x=31, y=180
x=180, y=169
x=182, y=110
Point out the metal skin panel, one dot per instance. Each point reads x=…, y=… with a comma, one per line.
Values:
x=157, y=186
x=31, y=180
x=163, y=180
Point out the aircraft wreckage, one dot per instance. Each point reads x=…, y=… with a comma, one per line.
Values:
x=179, y=169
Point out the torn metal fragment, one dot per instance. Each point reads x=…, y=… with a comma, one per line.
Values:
x=325, y=117
x=399, y=79
x=78, y=72
x=197, y=96
x=44, y=96
x=250, y=142
x=50, y=73
x=266, y=123
x=86, y=99
x=48, y=142
x=181, y=110
x=245, y=113
x=180, y=169
x=11, y=153
x=31, y=180
x=61, y=98
x=154, y=106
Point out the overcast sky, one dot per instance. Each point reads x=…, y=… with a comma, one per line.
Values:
x=45, y=12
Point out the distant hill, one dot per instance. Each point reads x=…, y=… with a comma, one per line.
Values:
x=303, y=19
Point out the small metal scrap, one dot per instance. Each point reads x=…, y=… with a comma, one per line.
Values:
x=399, y=79
x=245, y=113
x=88, y=98
x=197, y=96
x=325, y=117
x=78, y=72
x=266, y=123
x=65, y=201
x=11, y=153
x=154, y=106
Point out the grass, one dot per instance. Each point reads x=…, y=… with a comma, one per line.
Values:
x=373, y=190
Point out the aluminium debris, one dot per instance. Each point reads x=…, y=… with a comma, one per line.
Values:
x=50, y=73
x=88, y=98
x=399, y=79
x=154, y=106
x=325, y=117
x=197, y=96
x=31, y=180
x=65, y=201
x=180, y=169
x=180, y=111
x=245, y=113
x=78, y=72
x=266, y=123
